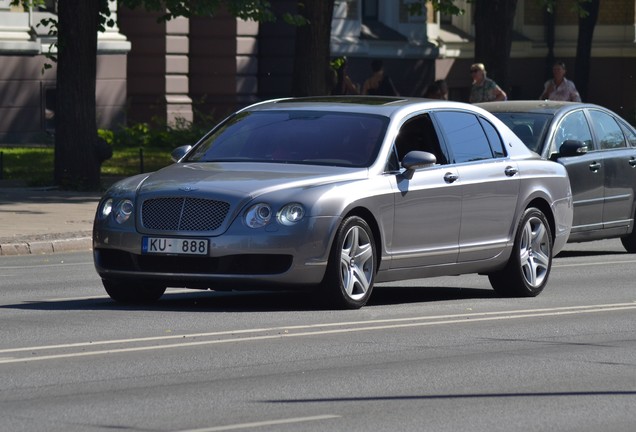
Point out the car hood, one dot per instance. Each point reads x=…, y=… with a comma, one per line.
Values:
x=237, y=180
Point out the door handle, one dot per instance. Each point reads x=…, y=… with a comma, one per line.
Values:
x=511, y=171
x=450, y=177
x=595, y=166
x=632, y=162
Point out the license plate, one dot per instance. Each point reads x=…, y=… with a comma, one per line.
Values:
x=174, y=246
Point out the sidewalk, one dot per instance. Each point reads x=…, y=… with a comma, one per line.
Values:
x=45, y=220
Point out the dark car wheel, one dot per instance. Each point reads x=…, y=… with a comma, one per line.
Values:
x=629, y=241
x=352, y=264
x=528, y=268
x=133, y=291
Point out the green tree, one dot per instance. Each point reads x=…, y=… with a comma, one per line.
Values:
x=77, y=165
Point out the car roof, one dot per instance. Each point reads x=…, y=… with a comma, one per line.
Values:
x=382, y=105
x=534, y=106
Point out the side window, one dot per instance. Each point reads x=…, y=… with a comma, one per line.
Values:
x=496, y=144
x=465, y=136
x=573, y=127
x=418, y=133
x=607, y=131
x=629, y=134
x=393, y=163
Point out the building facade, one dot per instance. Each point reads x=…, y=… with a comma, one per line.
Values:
x=185, y=69
x=28, y=89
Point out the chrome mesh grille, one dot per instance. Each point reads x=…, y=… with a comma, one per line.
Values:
x=183, y=214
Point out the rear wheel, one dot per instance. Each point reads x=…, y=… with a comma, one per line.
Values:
x=629, y=241
x=133, y=291
x=352, y=263
x=528, y=268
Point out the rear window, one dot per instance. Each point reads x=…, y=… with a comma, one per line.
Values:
x=529, y=127
x=466, y=137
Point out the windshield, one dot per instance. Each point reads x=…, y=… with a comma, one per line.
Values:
x=307, y=137
x=530, y=127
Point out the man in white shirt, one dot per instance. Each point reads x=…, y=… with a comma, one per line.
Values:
x=559, y=88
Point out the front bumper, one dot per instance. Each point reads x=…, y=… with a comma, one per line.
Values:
x=273, y=255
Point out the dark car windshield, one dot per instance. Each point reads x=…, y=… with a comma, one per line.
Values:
x=530, y=127
x=309, y=137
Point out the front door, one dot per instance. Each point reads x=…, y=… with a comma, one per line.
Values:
x=586, y=172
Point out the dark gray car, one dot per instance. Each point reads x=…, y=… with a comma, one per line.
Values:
x=598, y=149
x=335, y=194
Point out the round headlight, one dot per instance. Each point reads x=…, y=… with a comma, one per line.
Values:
x=291, y=214
x=107, y=208
x=124, y=210
x=258, y=215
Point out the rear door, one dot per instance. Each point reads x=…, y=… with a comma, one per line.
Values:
x=489, y=182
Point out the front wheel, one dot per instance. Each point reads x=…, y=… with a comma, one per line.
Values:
x=133, y=291
x=352, y=264
x=528, y=268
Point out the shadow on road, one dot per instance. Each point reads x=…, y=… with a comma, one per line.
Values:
x=258, y=301
x=585, y=253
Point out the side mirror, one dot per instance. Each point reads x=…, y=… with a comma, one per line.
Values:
x=417, y=159
x=572, y=148
x=180, y=152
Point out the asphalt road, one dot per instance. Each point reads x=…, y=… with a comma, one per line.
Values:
x=442, y=354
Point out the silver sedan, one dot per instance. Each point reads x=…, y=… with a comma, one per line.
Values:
x=334, y=194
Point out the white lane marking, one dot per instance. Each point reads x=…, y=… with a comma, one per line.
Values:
x=105, y=296
x=284, y=332
x=264, y=423
x=65, y=299
x=36, y=266
x=312, y=326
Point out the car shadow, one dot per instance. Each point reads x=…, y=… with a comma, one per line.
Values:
x=585, y=253
x=394, y=295
x=258, y=301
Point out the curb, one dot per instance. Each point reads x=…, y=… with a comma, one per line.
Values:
x=46, y=247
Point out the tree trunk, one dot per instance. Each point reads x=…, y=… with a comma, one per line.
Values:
x=550, y=31
x=76, y=163
x=584, y=45
x=493, y=37
x=312, y=51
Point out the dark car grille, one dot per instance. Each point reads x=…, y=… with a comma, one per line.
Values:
x=183, y=214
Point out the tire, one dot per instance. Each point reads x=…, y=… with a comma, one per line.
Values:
x=348, y=282
x=133, y=291
x=528, y=269
x=629, y=241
